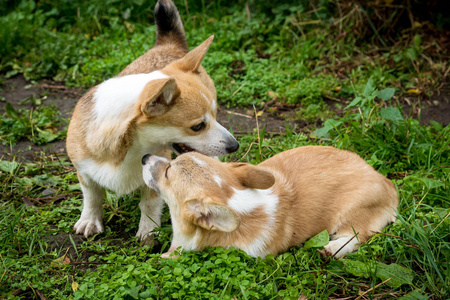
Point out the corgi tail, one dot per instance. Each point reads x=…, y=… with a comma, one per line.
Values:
x=169, y=28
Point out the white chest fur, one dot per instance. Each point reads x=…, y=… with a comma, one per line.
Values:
x=121, y=179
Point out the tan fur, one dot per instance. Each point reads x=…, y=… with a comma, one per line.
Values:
x=318, y=188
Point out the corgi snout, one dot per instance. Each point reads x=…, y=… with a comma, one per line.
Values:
x=145, y=158
x=216, y=141
x=152, y=166
x=152, y=161
x=232, y=145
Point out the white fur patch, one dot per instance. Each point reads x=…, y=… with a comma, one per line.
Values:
x=151, y=208
x=121, y=179
x=245, y=201
x=189, y=243
x=115, y=97
x=91, y=219
x=147, y=171
x=157, y=135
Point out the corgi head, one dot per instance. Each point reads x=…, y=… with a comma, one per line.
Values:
x=180, y=109
x=198, y=188
x=173, y=108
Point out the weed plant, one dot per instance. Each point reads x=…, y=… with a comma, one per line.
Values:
x=39, y=125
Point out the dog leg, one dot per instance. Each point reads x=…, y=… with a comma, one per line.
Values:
x=364, y=223
x=332, y=249
x=151, y=206
x=91, y=219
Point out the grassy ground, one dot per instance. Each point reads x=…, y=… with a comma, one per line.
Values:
x=297, y=57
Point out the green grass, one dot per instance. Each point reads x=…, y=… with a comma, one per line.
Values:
x=273, y=54
x=40, y=125
x=293, y=51
x=414, y=251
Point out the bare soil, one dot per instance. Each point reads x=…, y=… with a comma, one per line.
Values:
x=241, y=121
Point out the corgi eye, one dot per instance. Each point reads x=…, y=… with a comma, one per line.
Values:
x=198, y=127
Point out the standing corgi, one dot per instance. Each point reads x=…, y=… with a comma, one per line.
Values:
x=266, y=209
x=162, y=101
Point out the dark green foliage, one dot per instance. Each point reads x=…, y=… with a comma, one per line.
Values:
x=292, y=50
x=409, y=258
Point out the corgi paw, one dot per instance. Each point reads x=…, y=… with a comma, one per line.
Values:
x=145, y=230
x=144, y=233
x=340, y=247
x=88, y=226
x=147, y=238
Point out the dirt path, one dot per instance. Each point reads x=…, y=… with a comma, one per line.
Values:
x=241, y=121
x=15, y=90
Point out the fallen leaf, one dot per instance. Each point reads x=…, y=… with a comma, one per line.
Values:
x=414, y=91
x=74, y=286
x=129, y=26
x=47, y=192
x=63, y=260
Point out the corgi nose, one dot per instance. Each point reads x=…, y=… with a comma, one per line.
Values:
x=233, y=147
x=145, y=158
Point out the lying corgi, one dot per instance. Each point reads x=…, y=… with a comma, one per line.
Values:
x=162, y=101
x=278, y=204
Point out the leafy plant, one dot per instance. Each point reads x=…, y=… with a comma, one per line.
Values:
x=275, y=49
x=39, y=125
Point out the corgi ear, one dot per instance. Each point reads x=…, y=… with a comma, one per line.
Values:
x=192, y=60
x=253, y=177
x=157, y=96
x=211, y=216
